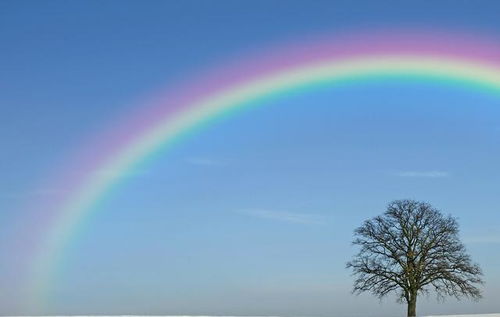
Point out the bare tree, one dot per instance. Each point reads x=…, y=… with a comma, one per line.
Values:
x=411, y=249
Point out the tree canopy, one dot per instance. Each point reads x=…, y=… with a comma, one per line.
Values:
x=410, y=249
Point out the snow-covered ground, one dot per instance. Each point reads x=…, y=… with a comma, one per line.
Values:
x=477, y=315
x=470, y=315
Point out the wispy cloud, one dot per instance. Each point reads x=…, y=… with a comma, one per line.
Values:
x=36, y=192
x=55, y=191
x=423, y=174
x=284, y=216
x=119, y=173
x=47, y=192
x=204, y=161
x=483, y=239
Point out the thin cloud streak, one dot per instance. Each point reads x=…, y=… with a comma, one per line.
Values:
x=120, y=173
x=284, y=216
x=203, y=161
x=486, y=239
x=37, y=192
x=424, y=174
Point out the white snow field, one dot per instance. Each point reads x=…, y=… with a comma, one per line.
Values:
x=469, y=315
x=475, y=315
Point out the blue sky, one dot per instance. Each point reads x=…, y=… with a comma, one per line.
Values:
x=253, y=215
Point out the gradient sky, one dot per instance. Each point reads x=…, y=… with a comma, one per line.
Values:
x=254, y=214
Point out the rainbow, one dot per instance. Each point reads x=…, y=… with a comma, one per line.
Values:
x=437, y=57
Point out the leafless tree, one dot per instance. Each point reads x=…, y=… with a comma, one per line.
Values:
x=412, y=249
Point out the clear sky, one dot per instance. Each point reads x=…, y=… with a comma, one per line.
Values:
x=254, y=214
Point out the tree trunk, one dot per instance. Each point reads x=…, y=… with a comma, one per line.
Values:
x=412, y=306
